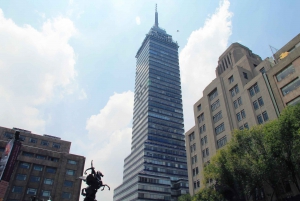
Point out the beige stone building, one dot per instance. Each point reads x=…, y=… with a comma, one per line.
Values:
x=44, y=167
x=247, y=91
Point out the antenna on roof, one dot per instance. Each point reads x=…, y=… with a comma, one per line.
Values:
x=156, y=16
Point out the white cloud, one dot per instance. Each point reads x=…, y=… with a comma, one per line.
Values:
x=42, y=15
x=138, y=20
x=198, y=59
x=35, y=65
x=110, y=131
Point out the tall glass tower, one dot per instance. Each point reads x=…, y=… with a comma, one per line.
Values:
x=156, y=169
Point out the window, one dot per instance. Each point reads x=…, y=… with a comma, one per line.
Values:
x=204, y=128
x=35, y=179
x=235, y=104
x=255, y=105
x=245, y=75
x=66, y=195
x=260, y=101
x=56, y=145
x=199, y=107
x=27, y=154
x=41, y=157
x=72, y=162
x=265, y=116
x=22, y=138
x=45, y=193
x=201, y=131
x=197, y=170
x=234, y=90
x=31, y=191
x=259, y=119
x=246, y=126
x=215, y=105
x=24, y=165
x=240, y=101
x=51, y=170
x=194, y=159
x=198, y=184
x=202, y=141
x=262, y=70
x=221, y=142
x=205, y=139
x=203, y=153
x=32, y=140
x=290, y=87
x=254, y=90
x=68, y=183
x=207, y=152
x=295, y=101
x=200, y=118
x=21, y=177
x=219, y=129
x=283, y=74
x=230, y=79
x=17, y=189
x=70, y=172
x=243, y=113
x=53, y=159
x=48, y=181
x=213, y=94
x=38, y=167
x=238, y=116
x=217, y=117
x=44, y=143
x=9, y=135
x=195, y=185
x=241, y=127
x=192, y=137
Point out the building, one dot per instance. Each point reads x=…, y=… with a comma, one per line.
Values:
x=44, y=168
x=247, y=91
x=156, y=167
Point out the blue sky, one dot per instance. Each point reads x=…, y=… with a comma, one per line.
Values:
x=68, y=67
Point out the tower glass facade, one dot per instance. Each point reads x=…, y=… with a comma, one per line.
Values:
x=156, y=167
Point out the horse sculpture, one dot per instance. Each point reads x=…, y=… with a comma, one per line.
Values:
x=94, y=182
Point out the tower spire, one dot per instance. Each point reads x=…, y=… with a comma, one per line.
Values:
x=156, y=16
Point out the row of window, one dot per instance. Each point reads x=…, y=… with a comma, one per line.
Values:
x=220, y=128
x=196, y=184
x=235, y=90
x=205, y=152
x=192, y=136
x=52, y=170
x=47, y=181
x=217, y=117
x=213, y=94
x=200, y=118
x=215, y=105
x=193, y=147
x=254, y=90
x=291, y=86
x=38, y=156
x=204, y=140
x=245, y=126
x=33, y=191
x=33, y=140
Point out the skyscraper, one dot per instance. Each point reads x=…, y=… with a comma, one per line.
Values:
x=156, y=168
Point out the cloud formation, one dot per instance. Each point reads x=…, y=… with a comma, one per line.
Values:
x=35, y=66
x=138, y=20
x=110, y=131
x=198, y=59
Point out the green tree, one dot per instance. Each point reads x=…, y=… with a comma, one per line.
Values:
x=207, y=194
x=185, y=197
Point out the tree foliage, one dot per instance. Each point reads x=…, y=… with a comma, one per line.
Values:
x=264, y=155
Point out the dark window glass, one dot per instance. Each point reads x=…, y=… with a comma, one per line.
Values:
x=245, y=75
x=231, y=79
x=48, y=181
x=207, y=152
x=246, y=125
x=66, y=195
x=215, y=105
x=53, y=159
x=17, y=189
x=255, y=105
x=45, y=193
x=235, y=104
x=204, y=128
x=72, y=162
x=198, y=184
x=44, y=143
x=70, y=172
x=243, y=113
x=217, y=117
x=284, y=73
x=240, y=101
x=238, y=116
x=38, y=167
x=256, y=88
x=213, y=94
x=21, y=177
x=31, y=191
x=205, y=139
x=41, y=157
x=259, y=119
x=24, y=165
x=68, y=183
x=260, y=101
x=9, y=135
x=241, y=128
x=51, y=170
x=35, y=179
x=56, y=145
x=265, y=116
x=199, y=107
x=262, y=70
x=33, y=140
x=251, y=91
x=28, y=154
x=22, y=138
x=219, y=129
x=221, y=142
x=290, y=87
